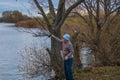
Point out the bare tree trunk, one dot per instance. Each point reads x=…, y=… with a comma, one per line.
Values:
x=56, y=59
x=76, y=51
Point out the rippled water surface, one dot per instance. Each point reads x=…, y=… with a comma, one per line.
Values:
x=11, y=41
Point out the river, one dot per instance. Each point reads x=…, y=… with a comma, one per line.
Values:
x=11, y=42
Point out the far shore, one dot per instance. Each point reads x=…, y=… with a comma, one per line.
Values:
x=24, y=24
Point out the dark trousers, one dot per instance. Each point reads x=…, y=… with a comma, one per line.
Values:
x=68, y=69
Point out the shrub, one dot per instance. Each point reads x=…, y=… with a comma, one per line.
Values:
x=35, y=62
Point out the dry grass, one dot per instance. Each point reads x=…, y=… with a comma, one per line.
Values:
x=27, y=24
x=99, y=73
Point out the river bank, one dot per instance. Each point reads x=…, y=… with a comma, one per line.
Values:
x=28, y=24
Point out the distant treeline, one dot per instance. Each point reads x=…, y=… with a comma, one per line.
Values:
x=13, y=16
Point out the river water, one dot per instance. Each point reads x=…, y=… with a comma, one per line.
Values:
x=11, y=42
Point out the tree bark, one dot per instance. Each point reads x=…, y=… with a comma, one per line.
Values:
x=56, y=59
x=76, y=51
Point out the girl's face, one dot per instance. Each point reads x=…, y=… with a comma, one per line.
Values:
x=65, y=40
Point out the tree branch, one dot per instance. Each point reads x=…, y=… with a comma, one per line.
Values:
x=67, y=13
x=60, y=11
x=90, y=12
x=51, y=8
x=81, y=17
x=108, y=14
x=42, y=12
x=118, y=8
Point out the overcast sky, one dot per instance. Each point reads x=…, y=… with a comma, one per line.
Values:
x=21, y=5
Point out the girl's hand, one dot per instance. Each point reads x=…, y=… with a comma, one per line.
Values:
x=66, y=57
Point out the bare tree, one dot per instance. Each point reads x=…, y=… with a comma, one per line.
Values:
x=58, y=16
x=97, y=14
